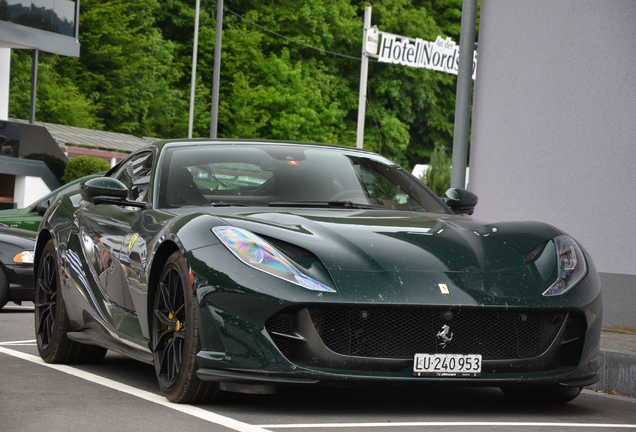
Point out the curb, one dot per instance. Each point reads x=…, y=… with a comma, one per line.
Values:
x=617, y=372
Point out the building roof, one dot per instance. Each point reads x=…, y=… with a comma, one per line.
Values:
x=102, y=140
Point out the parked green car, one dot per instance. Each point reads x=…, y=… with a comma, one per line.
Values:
x=238, y=265
x=29, y=218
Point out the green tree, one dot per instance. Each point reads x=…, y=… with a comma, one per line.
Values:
x=272, y=87
x=125, y=66
x=438, y=174
x=133, y=74
x=58, y=100
x=82, y=166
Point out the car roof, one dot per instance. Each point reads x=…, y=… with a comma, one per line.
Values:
x=238, y=141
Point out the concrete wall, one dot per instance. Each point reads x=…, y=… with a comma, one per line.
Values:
x=554, y=128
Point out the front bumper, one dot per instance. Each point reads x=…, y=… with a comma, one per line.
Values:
x=297, y=354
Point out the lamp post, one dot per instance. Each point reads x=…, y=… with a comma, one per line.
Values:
x=464, y=94
x=194, y=67
x=216, y=76
x=364, y=72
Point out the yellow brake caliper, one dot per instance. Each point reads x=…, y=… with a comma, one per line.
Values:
x=170, y=316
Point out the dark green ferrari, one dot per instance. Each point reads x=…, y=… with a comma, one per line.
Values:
x=241, y=266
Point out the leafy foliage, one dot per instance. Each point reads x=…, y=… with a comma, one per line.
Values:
x=133, y=74
x=59, y=99
x=438, y=174
x=82, y=166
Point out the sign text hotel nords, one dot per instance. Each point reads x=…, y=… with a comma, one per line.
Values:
x=441, y=55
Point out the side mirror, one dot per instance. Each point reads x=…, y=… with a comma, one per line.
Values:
x=103, y=187
x=107, y=190
x=460, y=200
x=43, y=207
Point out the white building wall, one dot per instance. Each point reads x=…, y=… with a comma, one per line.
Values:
x=554, y=128
x=27, y=190
x=5, y=74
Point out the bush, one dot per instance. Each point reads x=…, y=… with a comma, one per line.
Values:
x=438, y=174
x=82, y=166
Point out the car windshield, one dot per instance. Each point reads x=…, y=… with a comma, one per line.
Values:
x=288, y=176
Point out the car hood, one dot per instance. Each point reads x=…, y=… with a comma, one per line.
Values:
x=398, y=257
x=381, y=241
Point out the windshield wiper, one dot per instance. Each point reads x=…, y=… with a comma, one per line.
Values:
x=323, y=204
x=227, y=204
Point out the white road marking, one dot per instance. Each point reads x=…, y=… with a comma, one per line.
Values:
x=147, y=396
x=25, y=342
x=16, y=307
x=452, y=424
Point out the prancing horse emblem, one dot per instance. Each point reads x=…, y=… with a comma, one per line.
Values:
x=445, y=335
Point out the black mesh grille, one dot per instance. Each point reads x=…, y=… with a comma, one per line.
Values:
x=402, y=333
x=281, y=323
x=575, y=329
x=569, y=353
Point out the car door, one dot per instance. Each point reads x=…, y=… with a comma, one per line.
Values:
x=104, y=230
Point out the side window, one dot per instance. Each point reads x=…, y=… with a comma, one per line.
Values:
x=136, y=176
x=377, y=185
x=385, y=189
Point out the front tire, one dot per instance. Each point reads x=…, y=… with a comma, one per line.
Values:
x=542, y=395
x=175, y=336
x=51, y=319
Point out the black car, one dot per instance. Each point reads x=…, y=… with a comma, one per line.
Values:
x=16, y=265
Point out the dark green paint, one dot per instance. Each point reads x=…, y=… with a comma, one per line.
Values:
x=383, y=258
x=103, y=186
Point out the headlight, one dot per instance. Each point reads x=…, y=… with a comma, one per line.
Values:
x=257, y=253
x=24, y=257
x=571, y=266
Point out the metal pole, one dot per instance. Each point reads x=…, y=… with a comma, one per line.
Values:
x=194, y=67
x=364, y=72
x=34, y=86
x=77, y=20
x=216, y=76
x=464, y=93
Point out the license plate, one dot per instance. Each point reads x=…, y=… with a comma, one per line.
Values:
x=447, y=365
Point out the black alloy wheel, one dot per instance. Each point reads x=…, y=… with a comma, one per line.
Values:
x=175, y=337
x=46, y=300
x=170, y=325
x=51, y=318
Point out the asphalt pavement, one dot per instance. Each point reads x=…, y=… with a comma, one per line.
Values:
x=120, y=393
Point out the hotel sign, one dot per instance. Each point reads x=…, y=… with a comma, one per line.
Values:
x=441, y=55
